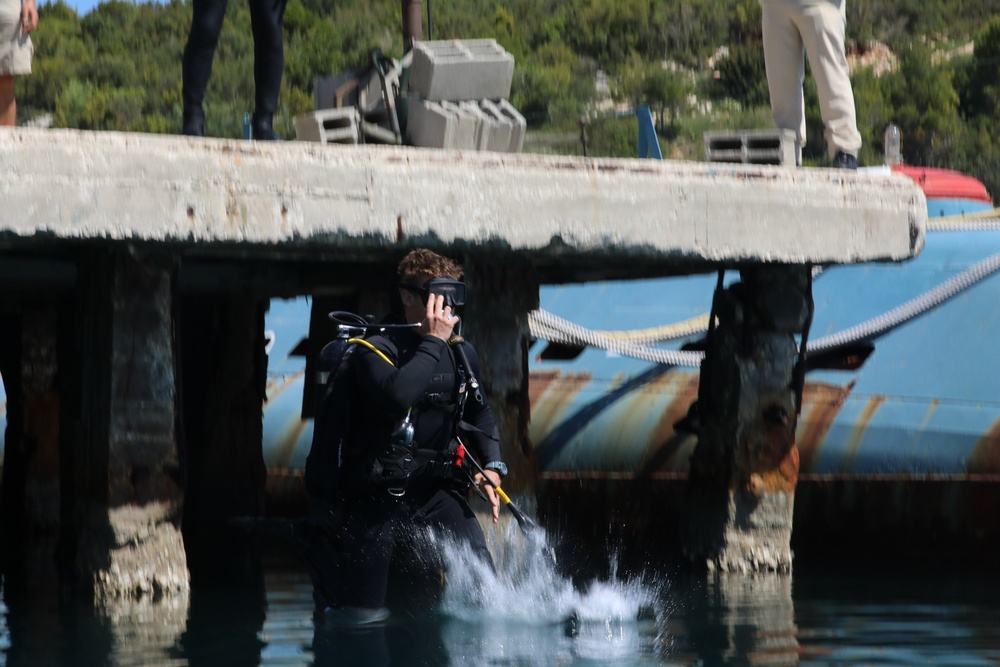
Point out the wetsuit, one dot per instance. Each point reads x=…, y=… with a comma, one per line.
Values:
x=426, y=377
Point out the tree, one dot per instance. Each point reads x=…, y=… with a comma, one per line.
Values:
x=925, y=107
x=664, y=88
x=742, y=75
x=983, y=93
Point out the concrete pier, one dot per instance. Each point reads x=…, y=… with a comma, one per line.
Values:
x=575, y=219
x=146, y=262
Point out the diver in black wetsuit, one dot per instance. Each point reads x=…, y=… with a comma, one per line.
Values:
x=266, y=20
x=417, y=378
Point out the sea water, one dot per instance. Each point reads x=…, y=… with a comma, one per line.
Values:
x=527, y=613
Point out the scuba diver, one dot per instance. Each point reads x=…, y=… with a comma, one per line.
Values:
x=415, y=407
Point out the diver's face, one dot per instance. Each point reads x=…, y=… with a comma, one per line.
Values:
x=414, y=304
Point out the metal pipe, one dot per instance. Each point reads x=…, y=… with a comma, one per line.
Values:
x=430, y=21
x=412, y=29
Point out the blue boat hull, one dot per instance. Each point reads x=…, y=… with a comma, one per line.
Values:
x=916, y=427
x=925, y=402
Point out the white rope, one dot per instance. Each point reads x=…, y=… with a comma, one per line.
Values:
x=550, y=327
x=557, y=330
x=911, y=309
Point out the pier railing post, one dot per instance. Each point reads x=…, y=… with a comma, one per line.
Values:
x=745, y=466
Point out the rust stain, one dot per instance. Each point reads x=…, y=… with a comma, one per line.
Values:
x=289, y=437
x=985, y=457
x=634, y=407
x=821, y=403
x=548, y=408
x=782, y=477
x=664, y=443
x=233, y=208
x=859, y=428
x=768, y=458
x=276, y=387
x=539, y=382
x=931, y=409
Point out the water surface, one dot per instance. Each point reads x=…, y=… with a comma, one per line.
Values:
x=529, y=614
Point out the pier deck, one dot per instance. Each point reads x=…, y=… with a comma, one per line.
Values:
x=574, y=218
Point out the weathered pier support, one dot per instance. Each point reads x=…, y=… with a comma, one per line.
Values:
x=126, y=481
x=223, y=370
x=501, y=295
x=745, y=466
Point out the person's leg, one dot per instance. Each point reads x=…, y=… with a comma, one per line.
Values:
x=266, y=18
x=448, y=511
x=196, y=66
x=8, y=107
x=367, y=553
x=823, y=25
x=784, y=61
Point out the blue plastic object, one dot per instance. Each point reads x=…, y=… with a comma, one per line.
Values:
x=649, y=145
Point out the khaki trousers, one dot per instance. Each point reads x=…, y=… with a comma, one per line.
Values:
x=794, y=29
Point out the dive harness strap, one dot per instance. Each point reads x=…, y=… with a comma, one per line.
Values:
x=400, y=465
x=402, y=462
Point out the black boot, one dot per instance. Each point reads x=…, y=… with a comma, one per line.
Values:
x=194, y=121
x=262, y=129
x=844, y=160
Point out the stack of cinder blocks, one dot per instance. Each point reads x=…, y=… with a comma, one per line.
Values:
x=752, y=147
x=458, y=97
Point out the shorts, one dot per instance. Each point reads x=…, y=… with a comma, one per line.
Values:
x=15, y=49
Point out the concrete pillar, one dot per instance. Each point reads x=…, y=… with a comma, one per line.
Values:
x=223, y=377
x=745, y=466
x=125, y=475
x=501, y=292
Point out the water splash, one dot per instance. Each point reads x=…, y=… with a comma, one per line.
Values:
x=529, y=613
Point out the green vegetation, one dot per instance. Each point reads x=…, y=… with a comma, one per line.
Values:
x=118, y=68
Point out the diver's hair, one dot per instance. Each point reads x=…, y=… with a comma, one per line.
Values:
x=421, y=265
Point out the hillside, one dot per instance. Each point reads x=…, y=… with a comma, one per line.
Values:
x=698, y=63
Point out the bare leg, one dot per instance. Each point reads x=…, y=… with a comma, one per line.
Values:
x=8, y=107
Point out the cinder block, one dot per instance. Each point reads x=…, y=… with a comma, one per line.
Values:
x=429, y=124
x=482, y=123
x=500, y=127
x=752, y=147
x=519, y=126
x=466, y=131
x=460, y=70
x=340, y=126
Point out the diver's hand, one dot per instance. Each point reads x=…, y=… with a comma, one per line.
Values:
x=439, y=321
x=486, y=483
